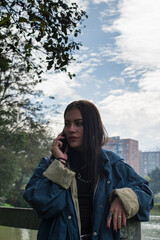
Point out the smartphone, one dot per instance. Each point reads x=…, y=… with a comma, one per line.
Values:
x=64, y=141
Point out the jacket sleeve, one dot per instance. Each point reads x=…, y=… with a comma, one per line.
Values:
x=129, y=200
x=133, y=190
x=48, y=198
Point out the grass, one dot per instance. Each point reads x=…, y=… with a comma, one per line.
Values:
x=6, y=205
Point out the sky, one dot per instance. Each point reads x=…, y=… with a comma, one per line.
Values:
x=117, y=68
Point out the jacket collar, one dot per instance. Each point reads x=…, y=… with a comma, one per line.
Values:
x=108, y=159
x=105, y=162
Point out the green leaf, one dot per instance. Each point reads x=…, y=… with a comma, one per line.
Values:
x=4, y=22
x=75, y=34
x=22, y=19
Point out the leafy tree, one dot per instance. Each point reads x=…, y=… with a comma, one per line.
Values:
x=36, y=28
x=155, y=180
x=35, y=35
x=19, y=154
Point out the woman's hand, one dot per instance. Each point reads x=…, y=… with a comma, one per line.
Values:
x=116, y=214
x=56, y=149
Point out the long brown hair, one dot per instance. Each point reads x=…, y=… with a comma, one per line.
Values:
x=94, y=137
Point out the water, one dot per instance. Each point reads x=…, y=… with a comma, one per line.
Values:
x=8, y=233
x=150, y=231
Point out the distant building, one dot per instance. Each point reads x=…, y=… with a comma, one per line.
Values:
x=148, y=161
x=127, y=149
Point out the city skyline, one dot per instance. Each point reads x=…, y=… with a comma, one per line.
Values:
x=143, y=162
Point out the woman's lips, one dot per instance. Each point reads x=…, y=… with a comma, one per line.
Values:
x=73, y=138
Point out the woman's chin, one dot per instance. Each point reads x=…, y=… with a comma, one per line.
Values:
x=76, y=146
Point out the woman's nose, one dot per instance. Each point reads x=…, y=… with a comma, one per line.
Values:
x=72, y=128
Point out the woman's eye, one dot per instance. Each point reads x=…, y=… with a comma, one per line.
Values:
x=67, y=124
x=79, y=123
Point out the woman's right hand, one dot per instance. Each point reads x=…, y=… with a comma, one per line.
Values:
x=56, y=149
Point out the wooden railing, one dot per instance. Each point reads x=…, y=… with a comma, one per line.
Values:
x=19, y=218
x=26, y=218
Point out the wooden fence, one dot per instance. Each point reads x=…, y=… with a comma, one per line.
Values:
x=26, y=218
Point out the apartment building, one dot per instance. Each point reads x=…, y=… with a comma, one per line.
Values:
x=127, y=149
x=148, y=161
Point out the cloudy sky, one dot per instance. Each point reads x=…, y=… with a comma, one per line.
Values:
x=118, y=69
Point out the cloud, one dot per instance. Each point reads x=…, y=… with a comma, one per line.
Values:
x=150, y=82
x=116, y=92
x=83, y=4
x=132, y=115
x=135, y=114
x=61, y=87
x=120, y=80
x=135, y=30
x=138, y=29
x=100, y=1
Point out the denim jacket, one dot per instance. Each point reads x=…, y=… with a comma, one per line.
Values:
x=52, y=192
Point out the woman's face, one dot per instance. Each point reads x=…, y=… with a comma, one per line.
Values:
x=73, y=128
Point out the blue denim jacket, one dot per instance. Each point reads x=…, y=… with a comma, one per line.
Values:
x=55, y=206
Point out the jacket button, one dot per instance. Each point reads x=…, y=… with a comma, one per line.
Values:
x=108, y=182
x=94, y=234
x=69, y=217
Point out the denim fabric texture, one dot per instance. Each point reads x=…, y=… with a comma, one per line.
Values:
x=56, y=206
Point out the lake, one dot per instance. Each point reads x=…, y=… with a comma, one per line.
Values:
x=150, y=231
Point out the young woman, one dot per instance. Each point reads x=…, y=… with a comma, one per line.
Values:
x=83, y=191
